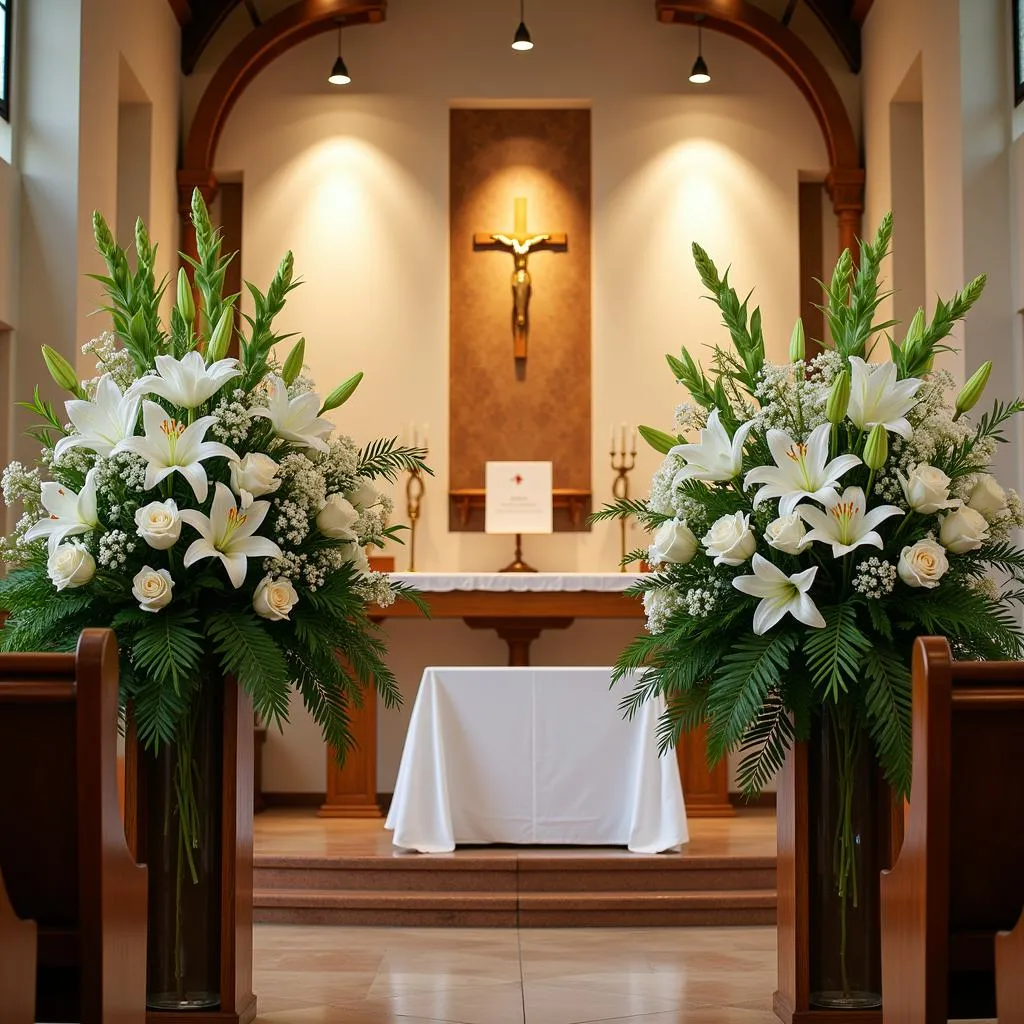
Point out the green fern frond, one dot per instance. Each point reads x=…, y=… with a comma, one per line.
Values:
x=834, y=652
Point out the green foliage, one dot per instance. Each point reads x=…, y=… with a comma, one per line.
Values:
x=629, y=508
x=754, y=667
x=853, y=298
x=768, y=739
x=834, y=653
x=744, y=329
x=45, y=411
x=961, y=460
x=887, y=703
x=386, y=458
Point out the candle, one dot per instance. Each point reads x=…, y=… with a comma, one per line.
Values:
x=623, y=438
x=613, y=441
x=632, y=447
x=426, y=432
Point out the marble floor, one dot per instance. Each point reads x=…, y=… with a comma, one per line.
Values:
x=315, y=975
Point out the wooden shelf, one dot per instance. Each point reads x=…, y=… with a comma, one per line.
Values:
x=572, y=506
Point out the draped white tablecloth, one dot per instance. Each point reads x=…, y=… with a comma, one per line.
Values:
x=517, y=582
x=533, y=756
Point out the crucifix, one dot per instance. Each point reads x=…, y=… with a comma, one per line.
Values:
x=521, y=244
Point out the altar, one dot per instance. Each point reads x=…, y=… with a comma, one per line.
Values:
x=518, y=607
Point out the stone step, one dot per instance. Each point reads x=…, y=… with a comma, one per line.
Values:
x=516, y=873
x=509, y=909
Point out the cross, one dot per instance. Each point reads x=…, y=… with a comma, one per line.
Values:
x=521, y=244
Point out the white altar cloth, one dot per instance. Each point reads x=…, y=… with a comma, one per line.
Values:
x=533, y=756
x=517, y=582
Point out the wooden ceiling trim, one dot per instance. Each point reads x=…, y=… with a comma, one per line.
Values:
x=256, y=51
x=207, y=19
x=182, y=11
x=845, y=32
x=860, y=9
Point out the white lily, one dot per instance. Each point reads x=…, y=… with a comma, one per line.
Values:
x=716, y=456
x=187, y=382
x=70, y=514
x=780, y=594
x=800, y=470
x=101, y=423
x=297, y=419
x=227, y=533
x=845, y=524
x=170, y=446
x=876, y=396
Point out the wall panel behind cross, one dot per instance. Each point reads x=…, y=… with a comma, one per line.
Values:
x=520, y=366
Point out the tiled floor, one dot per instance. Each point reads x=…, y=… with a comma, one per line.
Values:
x=308, y=975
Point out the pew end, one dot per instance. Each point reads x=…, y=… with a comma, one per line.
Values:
x=17, y=964
x=65, y=860
x=958, y=880
x=1010, y=975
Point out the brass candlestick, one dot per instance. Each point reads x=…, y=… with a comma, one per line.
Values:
x=414, y=488
x=622, y=464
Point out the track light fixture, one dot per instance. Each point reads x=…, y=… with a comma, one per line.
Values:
x=522, y=40
x=339, y=73
x=700, y=75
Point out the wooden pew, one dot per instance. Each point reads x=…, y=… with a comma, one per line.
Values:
x=62, y=846
x=1010, y=975
x=959, y=878
x=17, y=964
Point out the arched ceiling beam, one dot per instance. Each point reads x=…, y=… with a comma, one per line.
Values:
x=835, y=15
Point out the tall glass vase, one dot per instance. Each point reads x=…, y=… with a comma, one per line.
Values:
x=845, y=797
x=182, y=841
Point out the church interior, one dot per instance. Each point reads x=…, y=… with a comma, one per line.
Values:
x=504, y=215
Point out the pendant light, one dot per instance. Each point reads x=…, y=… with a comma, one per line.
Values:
x=700, y=74
x=339, y=73
x=522, y=40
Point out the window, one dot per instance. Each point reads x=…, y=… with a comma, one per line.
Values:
x=1018, y=50
x=5, y=58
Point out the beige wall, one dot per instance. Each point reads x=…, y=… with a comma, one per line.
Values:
x=356, y=182
x=69, y=82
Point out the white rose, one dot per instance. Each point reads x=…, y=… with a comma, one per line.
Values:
x=70, y=565
x=926, y=489
x=152, y=588
x=354, y=553
x=674, y=542
x=254, y=475
x=786, y=534
x=159, y=524
x=988, y=498
x=274, y=599
x=923, y=564
x=337, y=518
x=364, y=495
x=963, y=530
x=730, y=540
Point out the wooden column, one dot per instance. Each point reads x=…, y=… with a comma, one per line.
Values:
x=237, y=1002
x=705, y=790
x=846, y=188
x=352, y=788
x=519, y=634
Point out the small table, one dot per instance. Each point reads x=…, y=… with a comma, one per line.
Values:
x=533, y=756
x=518, y=606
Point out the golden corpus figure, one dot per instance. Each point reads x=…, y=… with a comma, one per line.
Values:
x=520, y=244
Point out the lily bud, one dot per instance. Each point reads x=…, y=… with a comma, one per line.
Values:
x=915, y=332
x=797, y=342
x=293, y=364
x=61, y=370
x=221, y=337
x=342, y=393
x=971, y=391
x=838, y=398
x=186, y=303
x=658, y=439
x=876, y=448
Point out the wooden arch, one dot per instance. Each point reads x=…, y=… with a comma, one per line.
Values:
x=260, y=48
x=757, y=28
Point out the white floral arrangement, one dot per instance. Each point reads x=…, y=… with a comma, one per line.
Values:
x=202, y=506
x=832, y=510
